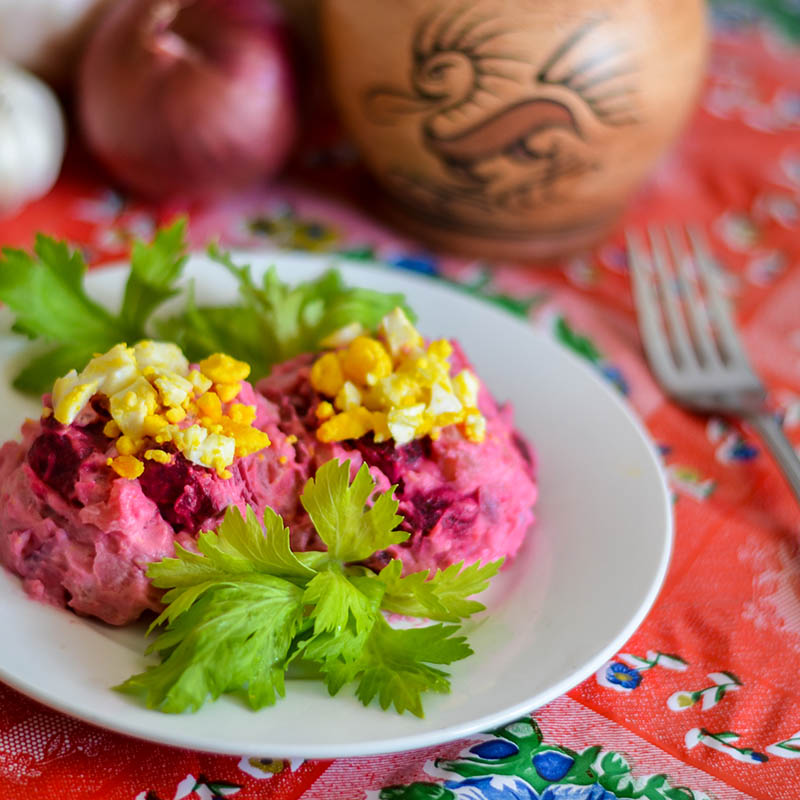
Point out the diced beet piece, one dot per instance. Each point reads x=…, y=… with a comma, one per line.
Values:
x=177, y=492
x=523, y=448
x=460, y=516
x=55, y=458
x=426, y=510
x=391, y=460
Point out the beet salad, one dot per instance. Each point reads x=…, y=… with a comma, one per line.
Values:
x=142, y=450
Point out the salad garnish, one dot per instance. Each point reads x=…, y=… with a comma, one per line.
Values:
x=246, y=606
x=269, y=323
x=395, y=387
x=45, y=290
x=274, y=321
x=159, y=404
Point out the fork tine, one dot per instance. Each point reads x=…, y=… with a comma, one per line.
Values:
x=702, y=333
x=720, y=313
x=654, y=337
x=676, y=325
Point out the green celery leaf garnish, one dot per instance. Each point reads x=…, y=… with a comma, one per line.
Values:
x=336, y=601
x=343, y=610
x=45, y=291
x=154, y=270
x=443, y=596
x=337, y=509
x=233, y=329
x=272, y=321
x=246, y=606
x=394, y=665
x=236, y=637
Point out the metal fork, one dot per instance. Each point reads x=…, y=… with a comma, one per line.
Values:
x=691, y=341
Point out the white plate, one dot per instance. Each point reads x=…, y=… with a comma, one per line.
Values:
x=587, y=575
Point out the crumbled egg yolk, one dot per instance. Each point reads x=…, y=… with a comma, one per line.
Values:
x=151, y=391
x=393, y=387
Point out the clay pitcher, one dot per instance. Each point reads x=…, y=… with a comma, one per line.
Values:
x=513, y=127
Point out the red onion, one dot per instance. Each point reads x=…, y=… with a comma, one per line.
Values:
x=188, y=98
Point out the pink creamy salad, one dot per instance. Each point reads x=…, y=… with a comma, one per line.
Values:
x=461, y=500
x=81, y=536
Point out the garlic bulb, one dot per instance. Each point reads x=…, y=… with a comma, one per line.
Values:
x=46, y=36
x=32, y=138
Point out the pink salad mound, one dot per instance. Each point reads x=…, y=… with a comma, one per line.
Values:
x=461, y=500
x=104, y=484
x=80, y=535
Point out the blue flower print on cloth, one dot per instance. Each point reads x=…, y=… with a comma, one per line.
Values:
x=619, y=674
x=625, y=672
x=552, y=765
x=594, y=792
x=495, y=749
x=492, y=787
x=419, y=262
x=515, y=763
x=497, y=787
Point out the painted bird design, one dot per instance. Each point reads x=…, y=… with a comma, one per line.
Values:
x=481, y=102
x=509, y=132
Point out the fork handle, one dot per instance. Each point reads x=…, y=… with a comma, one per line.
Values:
x=771, y=433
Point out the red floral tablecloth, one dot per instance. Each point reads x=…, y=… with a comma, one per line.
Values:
x=704, y=700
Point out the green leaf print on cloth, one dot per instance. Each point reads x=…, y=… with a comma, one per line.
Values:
x=722, y=683
x=516, y=763
x=781, y=13
x=723, y=742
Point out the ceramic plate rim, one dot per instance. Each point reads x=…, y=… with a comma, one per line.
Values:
x=426, y=737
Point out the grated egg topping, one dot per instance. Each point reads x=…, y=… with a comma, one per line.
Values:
x=393, y=386
x=153, y=395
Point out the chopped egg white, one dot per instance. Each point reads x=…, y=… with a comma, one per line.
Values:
x=403, y=422
x=70, y=394
x=398, y=333
x=173, y=389
x=131, y=404
x=162, y=356
x=201, y=447
x=394, y=386
x=150, y=391
x=348, y=397
x=442, y=401
x=113, y=370
x=343, y=336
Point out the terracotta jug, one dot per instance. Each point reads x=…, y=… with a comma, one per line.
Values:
x=512, y=127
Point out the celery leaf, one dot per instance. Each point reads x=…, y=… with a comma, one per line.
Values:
x=337, y=509
x=245, y=606
x=45, y=291
x=273, y=321
x=444, y=596
x=395, y=665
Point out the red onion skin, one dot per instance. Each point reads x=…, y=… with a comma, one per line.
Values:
x=188, y=99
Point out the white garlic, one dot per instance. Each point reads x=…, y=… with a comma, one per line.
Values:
x=46, y=36
x=32, y=138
